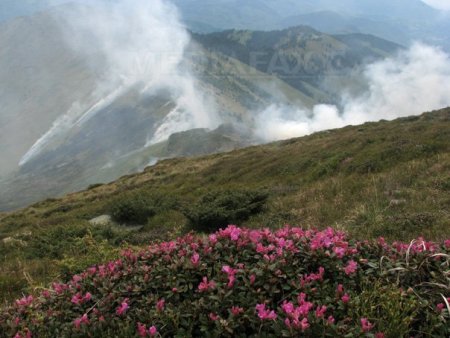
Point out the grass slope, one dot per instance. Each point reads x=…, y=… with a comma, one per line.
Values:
x=380, y=179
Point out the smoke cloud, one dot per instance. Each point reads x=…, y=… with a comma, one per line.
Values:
x=131, y=45
x=414, y=81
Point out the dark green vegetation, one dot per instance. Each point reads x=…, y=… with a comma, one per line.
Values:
x=217, y=209
x=380, y=179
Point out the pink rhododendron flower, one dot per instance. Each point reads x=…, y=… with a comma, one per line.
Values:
x=231, y=275
x=447, y=243
x=304, y=308
x=205, y=285
x=345, y=298
x=382, y=241
x=339, y=252
x=25, y=301
x=82, y=320
x=261, y=249
x=235, y=233
x=340, y=289
x=231, y=280
x=330, y=320
x=228, y=269
x=77, y=279
x=304, y=324
x=77, y=299
x=366, y=325
x=152, y=331
x=287, y=307
x=195, y=259
x=236, y=310
x=213, y=316
x=306, y=279
x=142, y=330
x=320, y=311
x=379, y=335
x=351, y=268
x=213, y=239
x=122, y=308
x=160, y=305
x=440, y=307
x=27, y=335
x=252, y=279
x=264, y=313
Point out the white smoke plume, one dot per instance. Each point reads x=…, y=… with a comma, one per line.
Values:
x=414, y=81
x=130, y=44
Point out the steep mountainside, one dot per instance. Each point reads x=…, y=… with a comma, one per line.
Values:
x=386, y=179
x=40, y=78
x=113, y=143
x=301, y=56
x=120, y=126
x=290, y=67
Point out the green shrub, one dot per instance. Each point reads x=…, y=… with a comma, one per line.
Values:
x=137, y=208
x=54, y=242
x=220, y=208
x=95, y=185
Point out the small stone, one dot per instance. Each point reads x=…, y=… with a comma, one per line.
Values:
x=101, y=220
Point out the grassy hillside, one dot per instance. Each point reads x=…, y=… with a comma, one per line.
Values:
x=386, y=179
x=301, y=56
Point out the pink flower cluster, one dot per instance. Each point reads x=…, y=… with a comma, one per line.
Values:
x=304, y=268
x=82, y=320
x=351, y=268
x=144, y=332
x=206, y=285
x=78, y=298
x=123, y=308
x=265, y=314
x=231, y=275
x=297, y=316
x=25, y=301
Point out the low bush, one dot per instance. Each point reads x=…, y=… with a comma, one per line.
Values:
x=249, y=283
x=217, y=209
x=137, y=208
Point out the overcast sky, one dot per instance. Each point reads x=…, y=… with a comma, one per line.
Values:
x=440, y=4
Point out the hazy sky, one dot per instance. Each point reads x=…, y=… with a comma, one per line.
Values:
x=440, y=4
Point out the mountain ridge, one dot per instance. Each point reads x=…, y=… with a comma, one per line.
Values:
x=78, y=157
